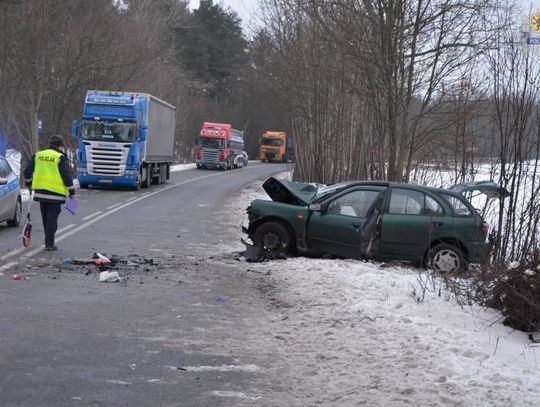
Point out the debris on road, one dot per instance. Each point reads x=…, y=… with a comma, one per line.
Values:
x=220, y=299
x=109, y=277
x=256, y=254
x=19, y=277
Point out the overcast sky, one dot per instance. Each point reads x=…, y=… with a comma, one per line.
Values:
x=244, y=8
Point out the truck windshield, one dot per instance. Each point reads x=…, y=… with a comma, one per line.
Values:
x=268, y=141
x=109, y=131
x=210, y=142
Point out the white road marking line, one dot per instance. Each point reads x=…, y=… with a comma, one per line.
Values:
x=8, y=265
x=12, y=253
x=114, y=206
x=21, y=249
x=66, y=227
x=92, y=215
x=222, y=368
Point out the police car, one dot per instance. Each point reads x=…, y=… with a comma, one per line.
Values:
x=10, y=195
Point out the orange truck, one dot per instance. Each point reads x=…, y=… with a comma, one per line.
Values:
x=273, y=147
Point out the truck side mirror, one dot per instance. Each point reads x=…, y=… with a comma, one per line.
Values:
x=74, y=128
x=144, y=128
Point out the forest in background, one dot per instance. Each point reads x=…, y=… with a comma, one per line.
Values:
x=53, y=51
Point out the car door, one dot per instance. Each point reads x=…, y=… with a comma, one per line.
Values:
x=4, y=190
x=337, y=228
x=410, y=221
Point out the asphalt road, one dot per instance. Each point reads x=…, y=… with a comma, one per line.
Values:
x=171, y=334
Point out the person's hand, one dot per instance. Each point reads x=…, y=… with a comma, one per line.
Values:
x=71, y=193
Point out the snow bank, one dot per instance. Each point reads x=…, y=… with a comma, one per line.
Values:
x=183, y=167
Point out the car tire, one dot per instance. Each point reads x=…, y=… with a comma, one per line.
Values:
x=273, y=237
x=16, y=219
x=446, y=259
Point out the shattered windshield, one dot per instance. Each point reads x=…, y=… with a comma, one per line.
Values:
x=210, y=142
x=109, y=131
x=323, y=190
x=270, y=141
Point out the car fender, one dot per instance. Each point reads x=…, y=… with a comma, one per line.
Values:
x=254, y=225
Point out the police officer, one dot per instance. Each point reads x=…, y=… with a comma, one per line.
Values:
x=49, y=175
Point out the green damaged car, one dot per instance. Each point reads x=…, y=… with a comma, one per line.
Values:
x=370, y=219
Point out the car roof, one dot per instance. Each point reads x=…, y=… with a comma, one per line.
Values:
x=349, y=184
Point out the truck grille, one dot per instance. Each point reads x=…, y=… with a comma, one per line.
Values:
x=107, y=161
x=210, y=156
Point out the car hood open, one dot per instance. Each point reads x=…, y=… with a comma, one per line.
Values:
x=490, y=188
x=294, y=193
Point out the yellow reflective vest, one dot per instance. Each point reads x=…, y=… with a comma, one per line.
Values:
x=47, y=174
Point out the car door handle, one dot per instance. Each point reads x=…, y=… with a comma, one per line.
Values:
x=356, y=226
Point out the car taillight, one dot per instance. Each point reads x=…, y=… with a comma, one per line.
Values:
x=484, y=228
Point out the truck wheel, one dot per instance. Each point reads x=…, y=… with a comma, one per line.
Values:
x=446, y=258
x=162, y=174
x=273, y=238
x=147, y=178
x=16, y=219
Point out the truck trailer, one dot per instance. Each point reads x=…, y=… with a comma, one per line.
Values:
x=220, y=146
x=125, y=139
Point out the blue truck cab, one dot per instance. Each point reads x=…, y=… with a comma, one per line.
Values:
x=125, y=139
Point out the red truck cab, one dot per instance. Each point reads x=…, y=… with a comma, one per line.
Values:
x=219, y=146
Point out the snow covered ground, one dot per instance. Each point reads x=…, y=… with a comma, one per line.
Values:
x=354, y=334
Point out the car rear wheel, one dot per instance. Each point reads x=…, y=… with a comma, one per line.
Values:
x=273, y=237
x=16, y=219
x=446, y=258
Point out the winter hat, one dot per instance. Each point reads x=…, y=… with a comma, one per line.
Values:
x=56, y=141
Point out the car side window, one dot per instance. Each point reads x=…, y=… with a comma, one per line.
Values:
x=406, y=202
x=355, y=203
x=458, y=206
x=4, y=168
x=432, y=207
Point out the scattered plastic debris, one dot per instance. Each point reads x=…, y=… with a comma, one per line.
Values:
x=256, y=254
x=109, y=277
x=220, y=299
x=19, y=277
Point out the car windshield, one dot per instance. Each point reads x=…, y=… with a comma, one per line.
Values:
x=323, y=190
x=109, y=131
x=210, y=142
x=270, y=141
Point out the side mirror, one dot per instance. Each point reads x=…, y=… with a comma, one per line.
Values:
x=74, y=128
x=143, y=133
x=315, y=207
x=3, y=181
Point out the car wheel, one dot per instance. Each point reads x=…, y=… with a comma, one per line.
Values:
x=446, y=258
x=274, y=238
x=16, y=219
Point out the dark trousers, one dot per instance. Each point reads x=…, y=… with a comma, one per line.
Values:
x=49, y=215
